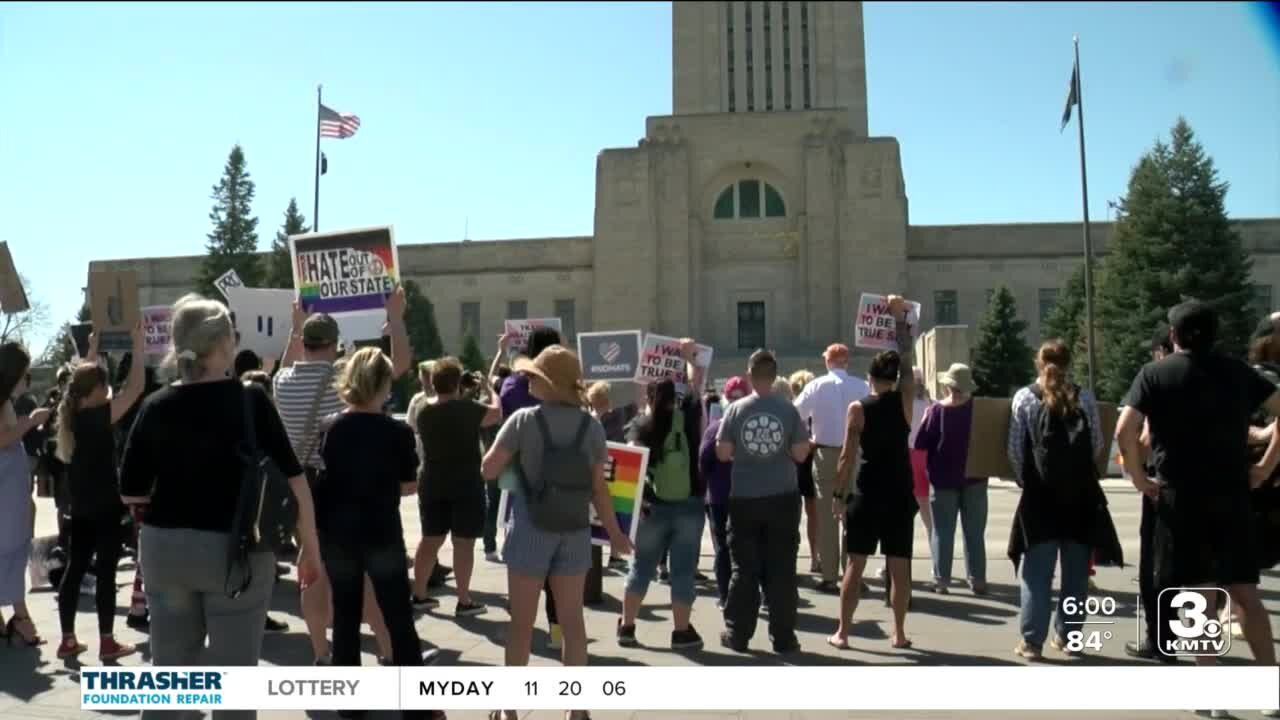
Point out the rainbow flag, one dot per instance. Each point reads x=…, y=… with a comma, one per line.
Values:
x=625, y=475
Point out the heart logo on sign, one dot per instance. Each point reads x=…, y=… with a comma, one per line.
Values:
x=610, y=351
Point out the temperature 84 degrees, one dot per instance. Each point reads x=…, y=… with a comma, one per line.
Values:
x=1085, y=634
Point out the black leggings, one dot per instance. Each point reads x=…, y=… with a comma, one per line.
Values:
x=91, y=535
x=346, y=561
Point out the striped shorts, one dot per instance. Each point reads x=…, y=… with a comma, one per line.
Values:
x=537, y=553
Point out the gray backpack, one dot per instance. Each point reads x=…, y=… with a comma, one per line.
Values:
x=559, y=501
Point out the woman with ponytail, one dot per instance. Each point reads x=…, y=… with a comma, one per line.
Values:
x=86, y=444
x=1055, y=436
x=16, y=517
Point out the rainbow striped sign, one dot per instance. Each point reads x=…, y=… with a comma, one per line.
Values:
x=345, y=272
x=625, y=474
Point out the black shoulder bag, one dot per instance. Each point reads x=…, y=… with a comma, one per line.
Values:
x=264, y=491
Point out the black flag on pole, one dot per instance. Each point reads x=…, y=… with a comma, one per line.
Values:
x=1073, y=98
x=324, y=163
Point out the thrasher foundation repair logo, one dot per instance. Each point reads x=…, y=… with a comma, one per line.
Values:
x=1197, y=631
x=762, y=435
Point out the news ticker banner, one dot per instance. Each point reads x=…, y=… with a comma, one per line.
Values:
x=681, y=688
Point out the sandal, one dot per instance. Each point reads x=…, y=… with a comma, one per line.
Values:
x=13, y=629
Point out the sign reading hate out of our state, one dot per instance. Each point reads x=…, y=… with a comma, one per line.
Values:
x=874, y=326
x=348, y=271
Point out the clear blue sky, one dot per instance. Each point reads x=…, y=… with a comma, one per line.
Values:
x=118, y=118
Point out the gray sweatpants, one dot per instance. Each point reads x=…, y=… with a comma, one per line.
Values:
x=186, y=572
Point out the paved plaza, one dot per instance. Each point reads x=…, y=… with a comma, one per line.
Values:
x=958, y=629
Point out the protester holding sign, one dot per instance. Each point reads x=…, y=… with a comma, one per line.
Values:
x=345, y=272
x=881, y=510
x=875, y=327
x=87, y=444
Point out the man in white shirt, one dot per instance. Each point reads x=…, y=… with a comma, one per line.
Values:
x=825, y=404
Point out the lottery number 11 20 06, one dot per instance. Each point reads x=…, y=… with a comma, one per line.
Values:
x=573, y=688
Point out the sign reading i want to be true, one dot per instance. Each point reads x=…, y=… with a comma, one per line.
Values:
x=609, y=355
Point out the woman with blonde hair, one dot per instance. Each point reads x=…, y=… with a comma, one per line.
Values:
x=370, y=463
x=87, y=445
x=804, y=474
x=184, y=462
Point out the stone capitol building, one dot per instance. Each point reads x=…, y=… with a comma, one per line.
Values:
x=753, y=216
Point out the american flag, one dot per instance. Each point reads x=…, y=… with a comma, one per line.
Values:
x=334, y=124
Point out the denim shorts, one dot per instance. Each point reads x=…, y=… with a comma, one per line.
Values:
x=537, y=553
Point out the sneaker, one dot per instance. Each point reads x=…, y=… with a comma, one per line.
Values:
x=492, y=557
x=439, y=574
x=1027, y=651
x=978, y=587
x=829, y=587
x=687, y=639
x=425, y=603
x=699, y=577
x=786, y=647
x=70, y=649
x=733, y=642
x=274, y=625
x=110, y=650
x=556, y=640
x=469, y=609
x=141, y=623
x=1060, y=644
x=627, y=635
x=940, y=587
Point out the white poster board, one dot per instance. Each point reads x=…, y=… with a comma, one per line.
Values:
x=660, y=359
x=157, y=324
x=523, y=328
x=263, y=317
x=873, y=326
x=226, y=281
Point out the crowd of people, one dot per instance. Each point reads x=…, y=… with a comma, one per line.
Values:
x=161, y=465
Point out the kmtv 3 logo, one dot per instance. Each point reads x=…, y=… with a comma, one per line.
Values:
x=1194, y=631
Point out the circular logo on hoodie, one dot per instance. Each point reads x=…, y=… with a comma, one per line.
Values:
x=762, y=435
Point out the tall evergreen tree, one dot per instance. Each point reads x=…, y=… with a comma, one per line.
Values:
x=424, y=336
x=472, y=358
x=233, y=242
x=279, y=272
x=1172, y=241
x=1001, y=361
x=62, y=348
x=1067, y=321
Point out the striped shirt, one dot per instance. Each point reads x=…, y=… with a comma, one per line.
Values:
x=295, y=390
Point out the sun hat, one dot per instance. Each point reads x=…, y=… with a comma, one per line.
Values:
x=958, y=376
x=558, y=367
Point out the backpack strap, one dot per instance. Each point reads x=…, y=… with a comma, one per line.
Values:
x=583, y=426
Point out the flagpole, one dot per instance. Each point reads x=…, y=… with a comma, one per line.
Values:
x=1088, y=241
x=315, y=210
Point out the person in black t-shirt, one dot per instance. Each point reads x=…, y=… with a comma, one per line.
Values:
x=87, y=445
x=370, y=462
x=1198, y=404
x=451, y=498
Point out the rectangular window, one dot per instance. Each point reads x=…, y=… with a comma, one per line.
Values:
x=749, y=199
x=786, y=54
x=1262, y=300
x=517, y=309
x=470, y=324
x=804, y=50
x=728, y=20
x=1048, y=301
x=751, y=326
x=565, y=310
x=946, y=308
x=751, y=75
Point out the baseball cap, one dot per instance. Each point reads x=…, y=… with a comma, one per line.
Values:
x=736, y=387
x=1195, y=324
x=836, y=351
x=320, y=330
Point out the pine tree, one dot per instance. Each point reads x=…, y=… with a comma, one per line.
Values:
x=1172, y=241
x=424, y=337
x=279, y=272
x=1067, y=320
x=233, y=243
x=62, y=348
x=1001, y=361
x=472, y=358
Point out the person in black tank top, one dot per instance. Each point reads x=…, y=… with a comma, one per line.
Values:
x=881, y=509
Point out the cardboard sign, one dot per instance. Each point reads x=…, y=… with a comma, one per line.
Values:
x=263, y=317
x=660, y=359
x=80, y=333
x=13, y=297
x=346, y=271
x=226, y=281
x=609, y=355
x=624, y=473
x=523, y=328
x=157, y=325
x=113, y=303
x=873, y=327
x=989, y=438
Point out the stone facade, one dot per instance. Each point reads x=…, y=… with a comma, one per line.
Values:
x=746, y=228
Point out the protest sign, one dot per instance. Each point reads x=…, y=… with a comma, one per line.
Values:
x=660, y=359
x=624, y=473
x=226, y=281
x=80, y=333
x=113, y=303
x=263, y=317
x=157, y=324
x=522, y=329
x=989, y=438
x=609, y=355
x=346, y=271
x=13, y=297
x=873, y=327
